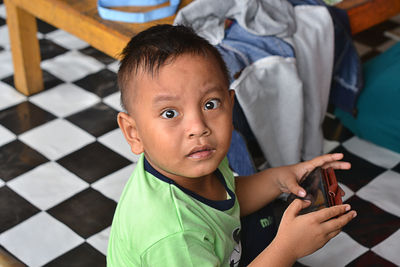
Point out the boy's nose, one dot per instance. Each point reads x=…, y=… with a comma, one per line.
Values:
x=205, y=132
x=198, y=127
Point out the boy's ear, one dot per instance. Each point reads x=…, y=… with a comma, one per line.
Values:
x=129, y=129
x=232, y=95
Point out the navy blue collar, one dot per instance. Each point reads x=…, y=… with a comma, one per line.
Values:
x=220, y=205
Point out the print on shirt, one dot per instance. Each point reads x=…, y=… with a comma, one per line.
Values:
x=237, y=251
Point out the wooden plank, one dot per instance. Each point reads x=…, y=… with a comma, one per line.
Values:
x=364, y=14
x=22, y=29
x=80, y=18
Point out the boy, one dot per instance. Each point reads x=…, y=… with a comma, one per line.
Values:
x=181, y=204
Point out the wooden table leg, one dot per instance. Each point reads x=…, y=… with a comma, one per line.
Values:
x=22, y=27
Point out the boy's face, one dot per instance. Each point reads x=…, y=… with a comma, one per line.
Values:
x=181, y=118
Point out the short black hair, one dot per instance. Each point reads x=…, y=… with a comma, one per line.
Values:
x=150, y=49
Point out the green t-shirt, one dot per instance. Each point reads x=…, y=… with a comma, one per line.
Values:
x=159, y=223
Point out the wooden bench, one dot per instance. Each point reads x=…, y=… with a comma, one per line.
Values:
x=80, y=18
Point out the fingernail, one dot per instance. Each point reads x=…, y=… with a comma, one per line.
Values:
x=348, y=207
x=354, y=214
x=302, y=193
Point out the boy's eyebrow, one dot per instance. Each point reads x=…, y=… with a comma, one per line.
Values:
x=162, y=98
x=167, y=97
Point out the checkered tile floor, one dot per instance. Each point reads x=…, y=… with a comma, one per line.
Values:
x=64, y=162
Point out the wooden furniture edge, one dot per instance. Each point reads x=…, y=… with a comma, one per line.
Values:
x=364, y=14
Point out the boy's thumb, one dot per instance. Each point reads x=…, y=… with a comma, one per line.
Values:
x=296, y=206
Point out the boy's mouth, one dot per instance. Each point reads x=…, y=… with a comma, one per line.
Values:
x=202, y=152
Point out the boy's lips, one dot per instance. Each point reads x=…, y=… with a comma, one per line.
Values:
x=201, y=152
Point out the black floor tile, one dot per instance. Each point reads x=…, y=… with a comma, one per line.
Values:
x=374, y=36
x=97, y=120
x=82, y=256
x=87, y=213
x=396, y=168
x=100, y=56
x=370, y=259
x=23, y=117
x=17, y=158
x=49, y=80
x=334, y=130
x=49, y=49
x=298, y=264
x=370, y=55
x=44, y=27
x=361, y=173
x=93, y=162
x=13, y=209
x=2, y=21
x=102, y=83
x=372, y=225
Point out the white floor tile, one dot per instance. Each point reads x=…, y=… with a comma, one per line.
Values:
x=6, y=135
x=387, y=45
x=66, y=40
x=56, y=138
x=114, y=66
x=2, y=183
x=4, y=37
x=6, y=64
x=72, y=66
x=3, y=11
x=112, y=185
x=47, y=185
x=383, y=191
x=9, y=96
x=390, y=248
x=362, y=49
x=39, y=239
x=115, y=140
x=329, y=145
x=100, y=240
x=338, y=252
x=114, y=101
x=65, y=99
x=348, y=192
x=373, y=153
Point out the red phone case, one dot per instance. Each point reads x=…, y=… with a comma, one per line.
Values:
x=322, y=190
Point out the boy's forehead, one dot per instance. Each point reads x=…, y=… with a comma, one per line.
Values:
x=163, y=83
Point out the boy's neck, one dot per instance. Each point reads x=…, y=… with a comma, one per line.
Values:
x=209, y=186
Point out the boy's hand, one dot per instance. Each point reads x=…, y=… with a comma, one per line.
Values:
x=290, y=176
x=301, y=235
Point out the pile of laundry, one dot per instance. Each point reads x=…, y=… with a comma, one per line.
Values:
x=287, y=59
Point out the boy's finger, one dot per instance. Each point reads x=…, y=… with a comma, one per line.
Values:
x=334, y=233
x=337, y=165
x=295, y=188
x=328, y=213
x=337, y=224
x=323, y=160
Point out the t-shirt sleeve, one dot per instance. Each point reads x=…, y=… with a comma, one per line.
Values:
x=118, y=254
x=181, y=249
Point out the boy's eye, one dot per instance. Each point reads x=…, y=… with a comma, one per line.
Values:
x=169, y=114
x=212, y=104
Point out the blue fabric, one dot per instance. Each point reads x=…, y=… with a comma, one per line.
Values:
x=378, y=116
x=240, y=49
x=135, y=17
x=239, y=157
x=347, y=79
